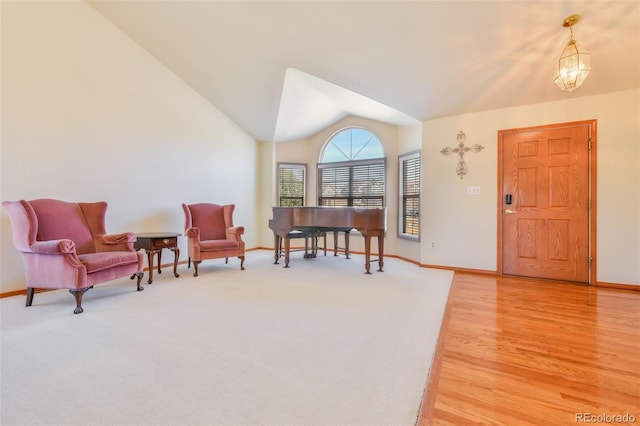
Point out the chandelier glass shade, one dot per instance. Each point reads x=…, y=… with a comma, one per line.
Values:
x=574, y=64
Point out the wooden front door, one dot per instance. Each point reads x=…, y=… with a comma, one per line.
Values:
x=546, y=189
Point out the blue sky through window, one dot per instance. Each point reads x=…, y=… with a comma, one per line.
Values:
x=352, y=144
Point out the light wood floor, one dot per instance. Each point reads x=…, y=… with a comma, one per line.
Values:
x=516, y=351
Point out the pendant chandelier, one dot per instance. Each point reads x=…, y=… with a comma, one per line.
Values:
x=573, y=66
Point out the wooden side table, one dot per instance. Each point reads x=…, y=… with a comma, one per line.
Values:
x=154, y=242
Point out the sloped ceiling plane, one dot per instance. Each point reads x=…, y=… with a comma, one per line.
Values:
x=283, y=70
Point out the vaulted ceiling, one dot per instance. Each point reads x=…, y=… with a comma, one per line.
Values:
x=285, y=69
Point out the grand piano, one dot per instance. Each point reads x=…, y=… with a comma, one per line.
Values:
x=316, y=220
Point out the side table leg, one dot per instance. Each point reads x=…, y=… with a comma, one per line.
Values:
x=176, y=253
x=159, y=260
x=150, y=254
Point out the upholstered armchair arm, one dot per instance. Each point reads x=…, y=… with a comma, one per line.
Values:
x=234, y=232
x=193, y=233
x=53, y=247
x=115, y=242
x=65, y=248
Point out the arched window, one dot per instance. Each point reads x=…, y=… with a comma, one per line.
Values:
x=351, y=171
x=352, y=144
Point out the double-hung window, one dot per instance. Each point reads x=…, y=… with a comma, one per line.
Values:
x=352, y=170
x=291, y=184
x=409, y=200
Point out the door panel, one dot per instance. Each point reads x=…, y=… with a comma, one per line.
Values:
x=545, y=229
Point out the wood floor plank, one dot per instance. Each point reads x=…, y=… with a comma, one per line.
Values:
x=518, y=351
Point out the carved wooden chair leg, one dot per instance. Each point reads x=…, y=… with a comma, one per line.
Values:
x=226, y=260
x=78, y=293
x=30, y=291
x=241, y=262
x=139, y=275
x=195, y=265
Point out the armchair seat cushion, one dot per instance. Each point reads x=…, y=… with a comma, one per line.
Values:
x=214, y=245
x=96, y=262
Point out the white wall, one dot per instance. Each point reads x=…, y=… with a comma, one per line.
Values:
x=88, y=115
x=267, y=190
x=463, y=228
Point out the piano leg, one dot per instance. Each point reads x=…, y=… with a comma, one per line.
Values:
x=367, y=252
x=346, y=244
x=314, y=245
x=310, y=245
x=367, y=249
x=380, y=252
x=277, y=244
x=306, y=247
x=287, y=246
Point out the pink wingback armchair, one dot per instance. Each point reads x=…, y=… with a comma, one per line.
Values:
x=211, y=234
x=65, y=245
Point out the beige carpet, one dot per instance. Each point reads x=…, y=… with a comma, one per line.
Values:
x=319, y=343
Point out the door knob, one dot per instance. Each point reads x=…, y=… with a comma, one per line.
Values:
x=508, y=211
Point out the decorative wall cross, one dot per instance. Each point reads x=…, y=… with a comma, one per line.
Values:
x=462, y=168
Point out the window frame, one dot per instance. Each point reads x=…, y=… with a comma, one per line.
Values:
x=292, y=166
x=403, y=181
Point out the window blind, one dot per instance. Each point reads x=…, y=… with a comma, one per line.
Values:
x=291, y=185
x=352, y=184
x=411, y=196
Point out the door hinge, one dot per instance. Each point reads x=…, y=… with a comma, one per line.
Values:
x=589, y=260
x=589, y=144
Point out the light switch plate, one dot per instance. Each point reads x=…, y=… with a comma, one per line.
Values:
x=473, y=190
